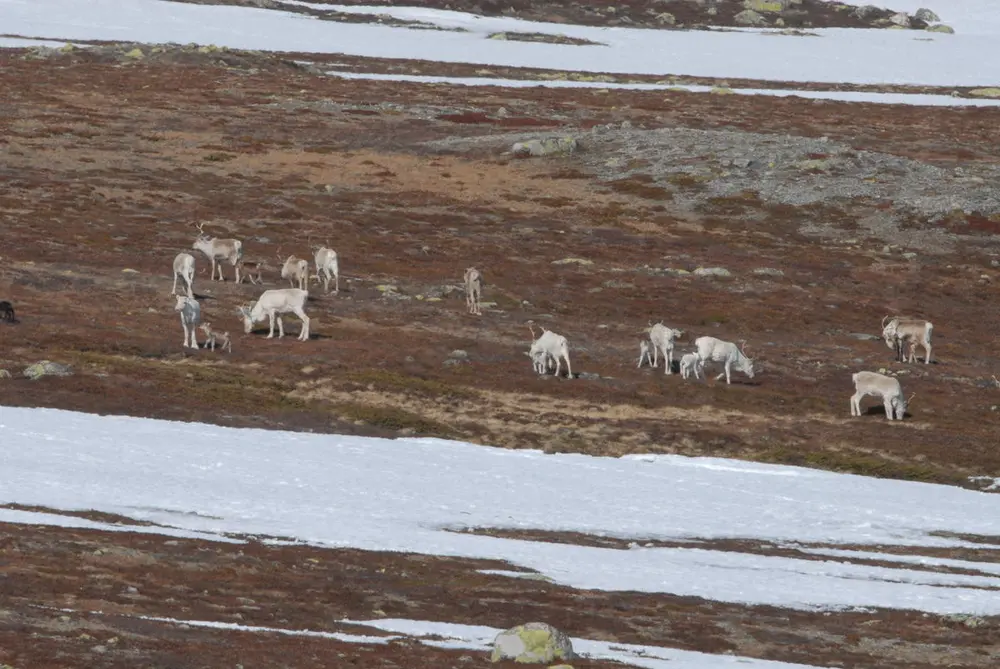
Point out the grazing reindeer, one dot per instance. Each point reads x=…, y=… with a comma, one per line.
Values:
x=327, y=266
x=900, y=331
x=473, y=290
x=549, y=345
x=184, y=268
x=217, y=250
x=645, y=354
x=690, y=363
x=273, y=303
x=190, y=312
x=716, y=350
x=662, y=339
x=214, y=336
x=251, y=270
x=879, y=385
x=7, y=312
x=296, y=270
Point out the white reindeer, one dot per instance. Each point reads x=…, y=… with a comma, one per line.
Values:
x=879, y=385
x=327, y=265
x=190, y=312
x=473, y=290
x=184, y=268
x=217, y=250
x=213, y=337
x=690, y=362
x=296, y=270
x=273, y=303
x=901, y=331
x=549, y=344
x=644, y=353
x=711, y=349
x=662, y=339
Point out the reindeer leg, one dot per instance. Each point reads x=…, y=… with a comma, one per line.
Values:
x=281, y=327
x=270, y=334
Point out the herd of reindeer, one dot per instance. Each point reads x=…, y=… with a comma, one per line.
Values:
x=548, y=349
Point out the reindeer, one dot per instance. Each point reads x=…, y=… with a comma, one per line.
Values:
x=690, y=363
x=716, y=350
x=901, y=331
x=296, y=270
x=645, y=354
x=214, y=336
x=327, y=265
x=252, y=270
x=217, y=250
x=549, y=345
x=273, y=303
x=662, y=339
x=879, y=385
x=7, y=312
x=184, y=268
x=190, y=312
x=473, y=290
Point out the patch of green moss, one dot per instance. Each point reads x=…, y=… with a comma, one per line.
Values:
x=393, y=418
x=386, y=380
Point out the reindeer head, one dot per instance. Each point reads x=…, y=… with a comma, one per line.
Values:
x=181, y=303
x=745, y=363
x=246, y=313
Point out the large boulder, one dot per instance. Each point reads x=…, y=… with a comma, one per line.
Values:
x=46, y=368
x=749, y=17
x=926, y=15
x=532, y=643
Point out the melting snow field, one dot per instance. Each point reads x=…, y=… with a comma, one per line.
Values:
x=971, y=57
x=412, y=495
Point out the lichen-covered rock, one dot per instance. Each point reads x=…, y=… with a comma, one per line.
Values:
x=532, y=643
x=712, y=271
x=926, y=15
x=666, y=18
x=135, y=54
x=941, y=28
x=901, y=19
x=4, y=374
x=46, y=368
x=749, y=17
x=864, y=11
x=991, y=92
x=766, y=5
x=545, y=147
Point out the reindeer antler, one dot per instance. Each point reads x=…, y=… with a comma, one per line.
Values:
x=884, y=320
x=532, y=330
x=201, y=227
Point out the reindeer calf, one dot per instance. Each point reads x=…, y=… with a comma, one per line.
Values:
x=899, y=332
x=645, y=354
x=212, y=337
x=690, y=362
x=473, y=290
x=549, y=344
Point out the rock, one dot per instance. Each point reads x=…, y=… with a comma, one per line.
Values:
x=991, y=92
x=129, y=270
x=386, y=288
x=459, y=354
x=498, y=36
x=742, y=163
x=590, y=376
x=864, y=336
x=901, y=19
x=4, y=374
x=909, y=255
x=534, y=643
x=749, y=17
x=765, y=5
x=941, y=28
x=545, y=147
x=666, y=18
x=865, y=11
x=46, y=368
x=573, y=261
x=721, y=90
x=926, y=15
x=135, y=54
x=768, y=271
x=712, y=271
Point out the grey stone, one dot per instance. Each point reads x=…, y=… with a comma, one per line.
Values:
x=545, y=147
x=901, y=19
x=749, y=17
x=864, y=336
x=926, y=15
x=532, y=643
x=712, y=271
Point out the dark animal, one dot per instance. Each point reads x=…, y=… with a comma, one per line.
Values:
x=7, y=312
